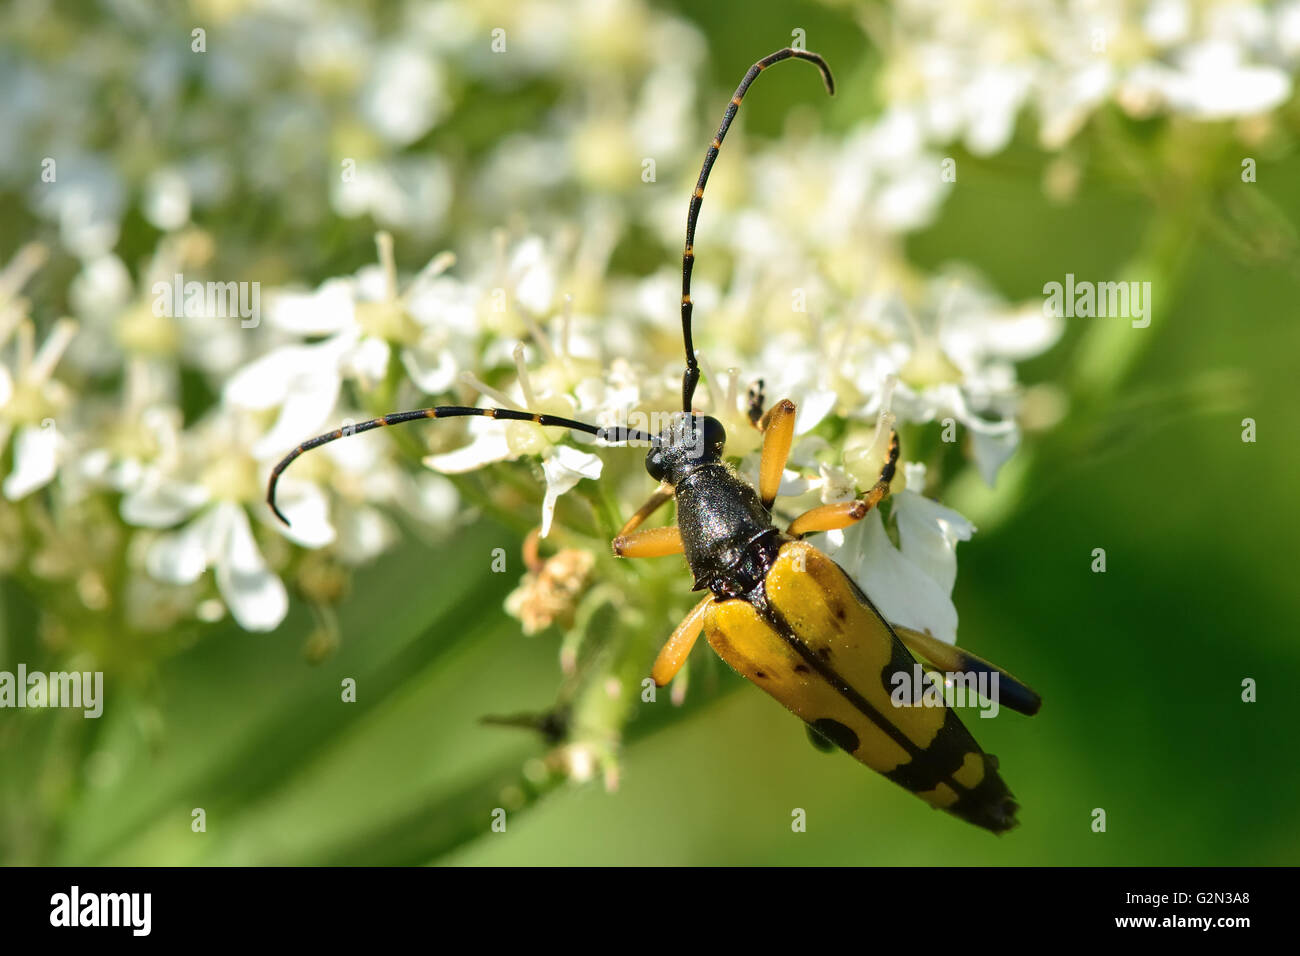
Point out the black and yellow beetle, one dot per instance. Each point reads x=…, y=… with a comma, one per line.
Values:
x=781, y=613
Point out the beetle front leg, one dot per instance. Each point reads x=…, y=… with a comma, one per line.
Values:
x=663, y=494
x=778, y=435
x=651, y=543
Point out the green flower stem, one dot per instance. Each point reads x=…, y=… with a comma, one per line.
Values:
x=429, y=831
x=448, y=822
x=1112, y=346
x=285, y=743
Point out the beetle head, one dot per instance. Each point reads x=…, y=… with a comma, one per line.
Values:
x=688, y=442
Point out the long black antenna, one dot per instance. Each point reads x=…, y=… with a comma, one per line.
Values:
x=614, y=434
x=692, y=376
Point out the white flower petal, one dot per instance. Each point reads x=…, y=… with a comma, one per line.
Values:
x=836, y=484
x=364, y=534
x=367, y=360
x=487, y=447
x=1018, y=334
x=94, y=465
x=304, y=504
x=581, y=463
x=102, y=286
x=279, y=374
x=256, y=597
x=534, y=277
x=262, y=383
x=1215, y=85
x=814, y=405
x=928, y=533
x=434, y=500
x=405, y=93
x=304, y=412
x=431, y=379
x=904, y=593
x=160, y=502
x=992, y=445
x=992, y=442
x=1165, y=22
x=180, y=556
x=444, y=303
x=328, y=309
x=35, y=460
x=167, y=199
x=565, y=468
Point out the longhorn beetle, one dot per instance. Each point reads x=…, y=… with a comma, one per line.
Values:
x=781, y=613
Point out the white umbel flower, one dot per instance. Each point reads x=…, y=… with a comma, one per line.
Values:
x=911, y=584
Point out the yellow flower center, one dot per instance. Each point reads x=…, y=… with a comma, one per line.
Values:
x=233, y=478
x=388, y=321
x=142, y=332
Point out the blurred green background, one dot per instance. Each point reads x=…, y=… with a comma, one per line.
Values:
x=1140, y=668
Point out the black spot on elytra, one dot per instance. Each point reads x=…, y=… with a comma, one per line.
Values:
x=801, y=668
x=837, y=733
x=761, y=675
x=824, y=652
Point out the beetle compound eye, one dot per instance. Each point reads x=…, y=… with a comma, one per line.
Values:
x=715, y=437
x=703, y=438
x=655, y=466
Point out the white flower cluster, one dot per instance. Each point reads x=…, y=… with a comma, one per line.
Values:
x=967, y=70
x=802, y=282
x=240, y=135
